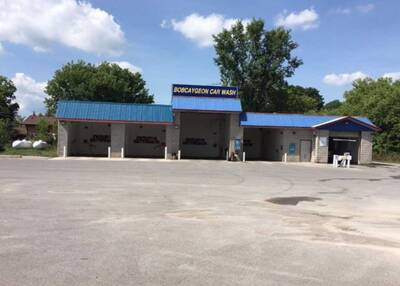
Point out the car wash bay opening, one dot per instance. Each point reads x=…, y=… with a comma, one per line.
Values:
x=207, y=122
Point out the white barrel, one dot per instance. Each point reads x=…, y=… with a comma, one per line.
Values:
x=16, y=143
x=24, y=144
x=39, y=144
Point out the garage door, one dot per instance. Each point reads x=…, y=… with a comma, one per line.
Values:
x=341, y=145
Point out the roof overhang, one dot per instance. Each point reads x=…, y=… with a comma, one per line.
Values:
x=114, y=112
x=345, y=118
x=302, y=121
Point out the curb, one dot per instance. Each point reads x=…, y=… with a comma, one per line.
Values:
x=10, y=156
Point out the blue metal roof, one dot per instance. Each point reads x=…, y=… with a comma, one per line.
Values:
x=345, y=125
x=249, y=119
x=112, y=111
x=211, y=104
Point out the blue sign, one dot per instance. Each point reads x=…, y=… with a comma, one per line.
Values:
x=238, y=145
x=204, y=91
x=292, y=148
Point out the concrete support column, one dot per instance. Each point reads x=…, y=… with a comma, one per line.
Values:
x=320, y=151
x=235, y=132
x=172, y=136
x=117, y=139
x=62, y=138
x=365, y=155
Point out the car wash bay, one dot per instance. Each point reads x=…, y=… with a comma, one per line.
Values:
x=138, y=140
x=204, y=135
x=129, y=130
x=271, y=144
x=207, y=126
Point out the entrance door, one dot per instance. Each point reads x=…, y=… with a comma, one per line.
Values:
x=305, y=150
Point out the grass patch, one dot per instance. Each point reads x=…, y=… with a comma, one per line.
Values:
x=51, y=151
x=389, y=157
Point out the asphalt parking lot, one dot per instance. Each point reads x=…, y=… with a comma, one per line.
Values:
x=99, y=222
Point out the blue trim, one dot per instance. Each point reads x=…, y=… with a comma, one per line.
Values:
x=346, y=125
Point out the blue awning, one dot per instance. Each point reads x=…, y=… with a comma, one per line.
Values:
x=111, y=111
x=206, y=104
x=326, y=122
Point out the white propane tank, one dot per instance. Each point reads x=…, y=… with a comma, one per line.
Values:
x=40, y=144
x=16, y=143
x=24, y=144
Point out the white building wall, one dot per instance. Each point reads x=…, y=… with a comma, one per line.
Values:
x=62, y=138
x=365, y=156
x=235, y=132
x=172, y=138
x=117, y=139
x=320, y=153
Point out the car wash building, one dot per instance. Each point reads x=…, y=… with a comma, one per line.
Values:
x=207, y=122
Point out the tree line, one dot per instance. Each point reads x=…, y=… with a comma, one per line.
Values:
x=259, y=62
x=256, y=60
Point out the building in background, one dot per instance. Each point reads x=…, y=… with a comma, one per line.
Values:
x=30, y=124
x=208, y=122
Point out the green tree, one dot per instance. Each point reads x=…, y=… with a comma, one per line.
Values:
x=258, y=62
x=379, y=100
x=302, y=100
x=8, y=108
x=42, y=130
x=332, y=106
x=104, y=82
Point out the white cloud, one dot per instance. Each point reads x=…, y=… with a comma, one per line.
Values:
x=306, y=19
x=30, y=94
x=2, y=51
x=365, y=8
x=200, y=29
x=344, y=78
x=343, y=11
x=164, y=24
x=349, y=10
x=129, y=66
x=41, y=23
x=393, y=75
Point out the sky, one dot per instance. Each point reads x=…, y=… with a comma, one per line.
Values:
x=171, y=41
